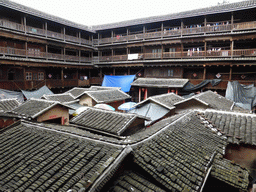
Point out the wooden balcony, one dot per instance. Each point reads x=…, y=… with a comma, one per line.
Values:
x=178, y=31
x=41, y=32
x=51, y=83
x=42, y=55
x=186, y=55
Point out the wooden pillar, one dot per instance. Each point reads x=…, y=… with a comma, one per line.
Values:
x=144, y=31
x=127, y=34
x=139, y=94
x=230, y=73
x=79, y=55
x=146, y=94
x=79, y=36
x=205, y=49
x=46, y=29
x=204, y=73
x=26, y=48
x=100, y=72
x=98, y=38
x=168, y=90
x=64, y=33
x=205, y=25
x=232, y=48
x=181, y=47
x=112, y=36
x=46, y=51
x=232, y=21
x=181, y=28
x=127, y=52
x=112, y=54
x=177, y=91
x=64, y=54
x=25, y=24
x=162, y=51
x=62, y=74
x=162, y=29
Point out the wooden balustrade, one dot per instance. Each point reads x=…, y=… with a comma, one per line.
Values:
x=42, y=32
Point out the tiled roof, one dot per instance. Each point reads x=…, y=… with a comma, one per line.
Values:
x=107, y=96
x=95, y=88
x=217, y=101
x=160, y=83
x=62, y=98
x=180, y=157
x=242, y=5
x=131, y=181
x=77, y=91
x=35, y=158
x=34, y=12
x=238, y=127
x=106, y=121
x=8, y=104
x=230, y=173
x=34, y=107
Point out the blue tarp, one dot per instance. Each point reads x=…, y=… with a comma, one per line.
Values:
x=38, y=93
x=123, y=81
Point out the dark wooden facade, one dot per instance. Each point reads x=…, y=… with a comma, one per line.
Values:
x=217, y=43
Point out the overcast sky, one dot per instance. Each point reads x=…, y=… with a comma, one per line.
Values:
x=95, y=12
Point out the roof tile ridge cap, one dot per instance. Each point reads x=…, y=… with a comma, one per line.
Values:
x=158, y=102
x=231, y=112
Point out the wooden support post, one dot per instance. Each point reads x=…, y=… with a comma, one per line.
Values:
x=100, y=72
x=46, y=51
x=79, y=36
x=162, y=29
x=232, y=48
x=205, y=24
x=46, y=29
x=25, y=24
x=98, y=38
x=204, y=76
x=169, y=90
x=205, y=49
x=162, y=51
x=112, y=36
x=144, y=31
x=127, y=52
x=139, y=94
x=64, y=54
x=79, y=55
x=26, y=48
x=181, y=28
x=177, y=91
x=232, y=21
x=112, y=54
x=146, y=94
x=64, y=33
x=127, y=34
x=62, y=74
x=230, y=73
x=181, y=47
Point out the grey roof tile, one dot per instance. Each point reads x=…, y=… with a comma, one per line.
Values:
x=77, y=91
x=8, y=104
x=160, y=83
x=107, y=96
x=180, y=155
x=217, y=101
x=105, y=121
x=239, y=127
x=36, y=159
x=62, y=98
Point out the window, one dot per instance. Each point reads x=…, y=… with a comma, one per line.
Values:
x=157, y=53
x=170, y=73
x=40, y=76
x=28, y=76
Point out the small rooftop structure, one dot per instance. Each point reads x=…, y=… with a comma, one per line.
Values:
x=42, y=110
x=160, y=83
x=116, y=123
x=92, y=98
x=217, y=101
x=77, y=91
x=65, y=98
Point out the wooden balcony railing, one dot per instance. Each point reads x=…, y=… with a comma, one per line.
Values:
x=177, y=31
x=185, y=55
x=41, y=55
x=42, y=32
